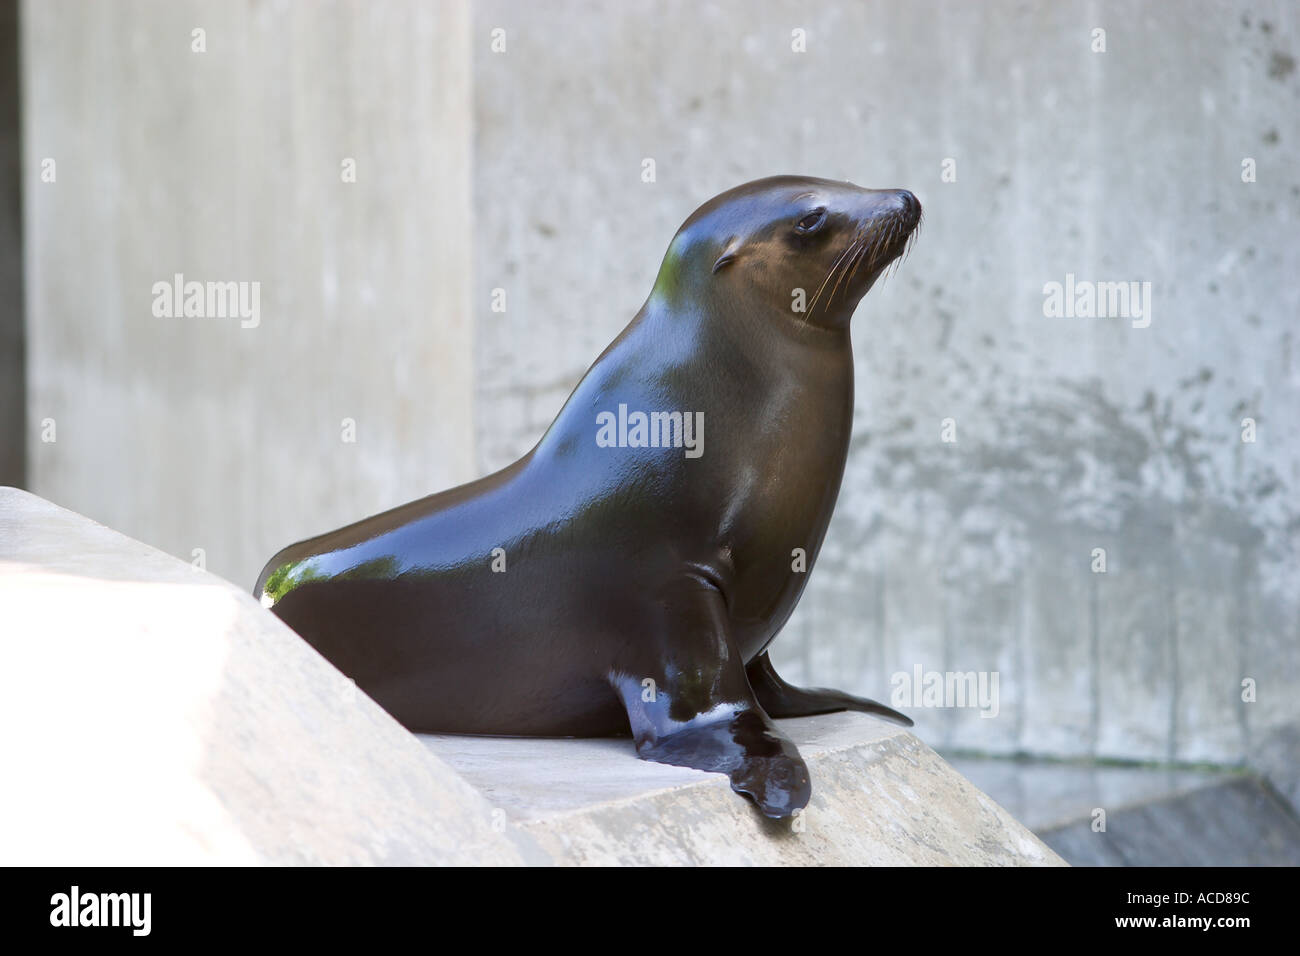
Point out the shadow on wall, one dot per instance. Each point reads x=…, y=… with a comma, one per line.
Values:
x=13, y=382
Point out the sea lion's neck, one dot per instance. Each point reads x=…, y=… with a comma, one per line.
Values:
x=693, y=345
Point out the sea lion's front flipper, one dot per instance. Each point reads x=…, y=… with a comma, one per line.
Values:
x=783, y=700
x=694, y=707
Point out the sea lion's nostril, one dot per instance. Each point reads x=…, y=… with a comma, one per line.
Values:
x=910, y=203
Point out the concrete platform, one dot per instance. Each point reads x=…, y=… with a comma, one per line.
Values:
x=156, y=714
x=880, y=797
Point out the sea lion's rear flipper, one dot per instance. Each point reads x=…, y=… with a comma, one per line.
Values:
x=783, y=700
x=693, y=707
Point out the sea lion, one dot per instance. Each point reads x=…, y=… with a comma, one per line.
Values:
x=627, y=574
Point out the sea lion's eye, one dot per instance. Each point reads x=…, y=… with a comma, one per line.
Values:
x=811, y=222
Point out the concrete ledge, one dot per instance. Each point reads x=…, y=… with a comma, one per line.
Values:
x=880, y=797
x=156, y=714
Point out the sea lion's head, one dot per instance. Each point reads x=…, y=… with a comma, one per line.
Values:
x=812, y=247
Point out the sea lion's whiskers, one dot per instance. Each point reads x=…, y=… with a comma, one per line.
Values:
x=835, y=267
x=895, y=265
x=884, y=241
x=813, y=305
x=911, y=240
x=862, y=256
x=907, y=246
x=895, y=228
x=862, y=245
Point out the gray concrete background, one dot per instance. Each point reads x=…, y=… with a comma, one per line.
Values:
x=1073, y=434
x=226, y=165
x=522, y=170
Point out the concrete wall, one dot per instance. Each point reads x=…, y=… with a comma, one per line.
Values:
x=227, y=165
x=1072, y=434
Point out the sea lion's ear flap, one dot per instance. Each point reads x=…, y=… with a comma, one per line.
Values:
x=728, y=255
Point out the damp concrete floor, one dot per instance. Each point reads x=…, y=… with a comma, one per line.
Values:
x=1153, y=816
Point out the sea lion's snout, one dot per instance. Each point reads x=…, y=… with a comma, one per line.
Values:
x=910, y=208
x=910, y=205
x=886, y=222
x=891, y=210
